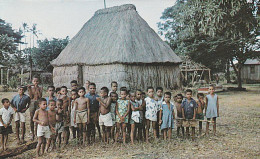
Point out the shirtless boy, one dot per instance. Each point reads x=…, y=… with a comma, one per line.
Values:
x=178, y=102
x=35, y=93
x=43, y=127
x=82, y=113
x=59, y=127
x=52, y=121
x=201, y=105
x=105, y=117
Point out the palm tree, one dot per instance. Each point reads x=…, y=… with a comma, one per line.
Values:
x=25, y=29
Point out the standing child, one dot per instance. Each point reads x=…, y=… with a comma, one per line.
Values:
x=20, y=104
x=59, y=127
x=50, y=91
x=159, y=99
x=212, y=108
x=52, y=121
x=141, y=126
x=179, y=121
x=6, y=116
x=82, y=113
x=122, y=111
x=201, y=105
x=167, y=116
x=135, y=116
x=151, y=112
x=189, y=107
x=105, y=117
x=73, y=126
x=114, y=98
x=43, y=127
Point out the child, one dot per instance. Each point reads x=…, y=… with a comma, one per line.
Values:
x=57, y=92
x=167, y=116
x=20, y=103
x=87, y=86
x=73, y=126
x=201, y=105
x=122, y=111
x=73, y=84
x=114, y=86
x=59, y=127
x=66, y=111
x=189, y=107
x=179, y=121
x=159, y=99
x=82, y=113
x=52, y=121
x=43, y=127
x=35, y=93
x=114, y=98
x=212, y=108
x=105, y=117
x=151, y=112
x=135, y=116
x=50, y=91
x=141, y=126
x=6, y=116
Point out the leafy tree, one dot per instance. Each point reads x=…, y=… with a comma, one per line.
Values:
x=213, y=32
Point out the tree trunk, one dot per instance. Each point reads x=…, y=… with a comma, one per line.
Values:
x=228, y=72
x=239, y=79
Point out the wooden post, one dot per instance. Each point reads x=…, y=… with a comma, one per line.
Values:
x=209, y=76
x=7, y=76
x=1, y=75
x=22, y=76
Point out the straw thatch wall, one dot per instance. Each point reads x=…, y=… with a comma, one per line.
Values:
x=63, y=75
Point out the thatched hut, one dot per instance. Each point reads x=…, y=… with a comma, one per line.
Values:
x=116, y=44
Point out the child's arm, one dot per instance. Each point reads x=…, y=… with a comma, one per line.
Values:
x=75, y=112
x=160, y=117
x=206, y=105
x=132, y=107
x=1, y=120
x=218, y=106
x=195, y=112
x=128, y=109
x=35, y=118
x=88, y=107
x=117, y=112
x=140, y=107
x=10, y=121
x=173, y=114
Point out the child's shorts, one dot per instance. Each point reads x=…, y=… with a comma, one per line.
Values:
x=200, y=116
x=6, y=131
x=18, y=116
x=106, y=119
x=179, y=122
x=59, y=127
x=189, y=123
x=81, y=116
x=43, y=131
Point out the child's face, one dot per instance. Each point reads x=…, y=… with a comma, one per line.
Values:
x=51, y=91
x=43, y=105
x=188, y=95
x=143, y=96
x=35, y=81
x=211, y=90
x=21, y=91
x=63, y=91
x=92, y=89
x=87, y=84
x=6, y=104
x=74, y=86
x=52, y=105
x=59, y=105
x=159, y=93
x=73, y=95
x=81, y=92
x=150, y=93
x=123, y=94
x=179, y=99
x=114, y=97
x=132, y=97
x=201, y=98
x=167, y=98
x=138, y=95
x=114, y=87
x=103, y=93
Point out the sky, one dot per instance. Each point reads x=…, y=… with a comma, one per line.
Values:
x=61, y=18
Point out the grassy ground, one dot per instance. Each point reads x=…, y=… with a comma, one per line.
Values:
x=238, y=136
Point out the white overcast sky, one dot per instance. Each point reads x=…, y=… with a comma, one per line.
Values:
x=61, y=18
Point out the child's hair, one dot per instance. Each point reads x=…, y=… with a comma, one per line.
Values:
x=168, y=93
x=58, y=89
x=73, y=81
x=188, y=90
x=139, y=90
x=123, y=89
x=200, y=95
x=113, y=93
x=159, y=88
x=179, y=95
x=41, y=100
x=74, y=90
x=150, y=88
x=63, y=87
x=113, y=82
x=52, y=100
x=82, y=88
x=105, y=89
x=36, y=77
x=212, y=86
x=23, y=87
x=60, y=100
x=50, y=87
x=143, y=93
x=131, y=92
x=92, y=84
x=5, y=100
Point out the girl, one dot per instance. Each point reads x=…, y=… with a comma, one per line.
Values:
x=122, y=111
x=212, y=108
x=167, y=116
x=73, y=126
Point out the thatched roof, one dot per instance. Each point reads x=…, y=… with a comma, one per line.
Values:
x=116, y=35
x=252, y=62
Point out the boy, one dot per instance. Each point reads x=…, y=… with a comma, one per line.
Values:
x=43, y=127
x=141, y=126
x=179, y=121
x=52, y=120
x=57, y=92
x=66, y=111
x=114, y=86
x=114, y=97
x=94, y=108
x=87, y=86
x=73, y=85
x=35, y=93
x=20, y=103
x=50, y=92
x=6, y=116
x=59, y=127
x=73, y=126
x=105, y=117
x=189, y=107
x=82, y=113
x=201, y=105
x=159, y=98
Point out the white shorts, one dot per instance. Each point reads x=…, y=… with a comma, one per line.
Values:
x=18, y=116
x=106, y=119
x=43, y=131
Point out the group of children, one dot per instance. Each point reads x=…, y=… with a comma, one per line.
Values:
x=118, y=113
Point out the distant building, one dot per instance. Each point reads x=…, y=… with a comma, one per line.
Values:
x=250, y=72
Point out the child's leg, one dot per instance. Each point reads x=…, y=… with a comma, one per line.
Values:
x=59, y=139
x=17, y=128
x=117, y=131
x=32, y=124
x=207, y=126
x=164, y=134
x=66, y=134
x=99, y=132
x=154, y=129
x=73, y=130
x=40, y=140
x=124, y=125
x=80, y=132
x=113, y=132
x=23, y=131
x=48, y=145
x=187, y=131
x=84, y=132
x=169, y=133
x=200, y=127
x=104, y=133
x=132, y=132
x=178, y=131
x=140, y=132
x=214, y=125
x=147, y=129
x=108, y=129
x=182, y=128
x=53, y=142
x=43, y=144
x=144, y=130
x=193, y=133
x=3, y=143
